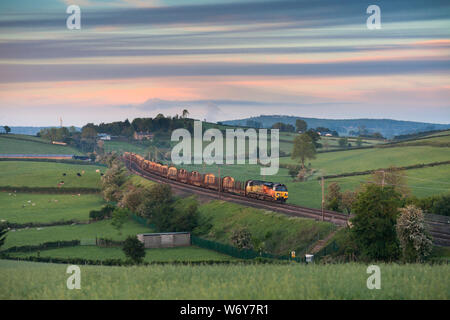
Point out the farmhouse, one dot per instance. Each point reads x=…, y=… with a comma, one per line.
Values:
x=165, y=239
x=143, y=135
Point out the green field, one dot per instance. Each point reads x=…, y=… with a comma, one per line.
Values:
x=27, y=280
x=442, y=140
x=191, y=253
x=48, y=174
x=32, y=145
x=121, y=147
x=422, y=182
x=375, y=158
x=25, y=207
x=275, y=233
x=101, y=229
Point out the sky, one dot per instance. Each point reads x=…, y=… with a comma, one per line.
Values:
x=223, y=60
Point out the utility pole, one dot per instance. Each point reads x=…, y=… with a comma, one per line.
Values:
x=323, y=199
x=219, y=182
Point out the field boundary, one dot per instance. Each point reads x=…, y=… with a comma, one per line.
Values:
x=362, y=173
x=14, y=225
x=50, y=190
x=80, y=162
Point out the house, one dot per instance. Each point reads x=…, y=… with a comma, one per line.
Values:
x=328, y=135
x=104, y=136
x=143, y=135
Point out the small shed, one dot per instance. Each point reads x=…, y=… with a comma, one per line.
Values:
x=165, y=239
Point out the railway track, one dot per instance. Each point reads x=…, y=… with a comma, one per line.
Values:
x=439, y=228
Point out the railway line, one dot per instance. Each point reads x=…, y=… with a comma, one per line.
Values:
x=438, y=227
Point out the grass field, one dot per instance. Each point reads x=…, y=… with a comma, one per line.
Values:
x=48, y=174
x=27, y=280
x=191, y=253
x=101, y=229
x=375, y=158
x=121, y=147
x=276, y=233
x=25, y=207
x=422, y=182
x=32, y=145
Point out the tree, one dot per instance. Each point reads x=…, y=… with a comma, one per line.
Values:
x=185, y=113
x=442, y=205
x=415, y=241
x=3, y=231
x=376, y=211
x=119, y=217
x=134, y=249
x=7, y=129
x=333, y=200
x=133, y=198
x=303, y=148
x=315, y=137
x=301, y=125
x=241, y=238
x=88, y=133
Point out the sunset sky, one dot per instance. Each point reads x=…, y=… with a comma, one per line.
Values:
x=223, y=60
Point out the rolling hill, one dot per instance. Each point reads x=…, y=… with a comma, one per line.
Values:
x=387, y=127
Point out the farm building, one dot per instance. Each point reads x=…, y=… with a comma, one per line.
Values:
x=143, y=135
x=165, y=239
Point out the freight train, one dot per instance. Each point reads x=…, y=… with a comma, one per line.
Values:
x=257, y=189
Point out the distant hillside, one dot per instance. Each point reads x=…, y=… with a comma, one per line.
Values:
x=388, y=128
x=32, y=131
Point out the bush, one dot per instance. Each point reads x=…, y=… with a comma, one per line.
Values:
x=134, y=249
x=414, y=240
x=376, y=210
x=241, y=238
x=442, y=206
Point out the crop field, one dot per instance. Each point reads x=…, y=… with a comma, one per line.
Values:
x=26, y=207
x=276, y=233
x=49, y=174
x=27, y=280
x=32, y=145
x=190, y=253
x=101, y=229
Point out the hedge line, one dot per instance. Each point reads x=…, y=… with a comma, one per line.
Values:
x=81, y=162
x=14, y=225
x=119, y=262
x=42, y=246
x=51, y=190
x=362, y=173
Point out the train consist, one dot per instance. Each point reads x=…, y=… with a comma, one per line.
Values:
x=257, y=189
